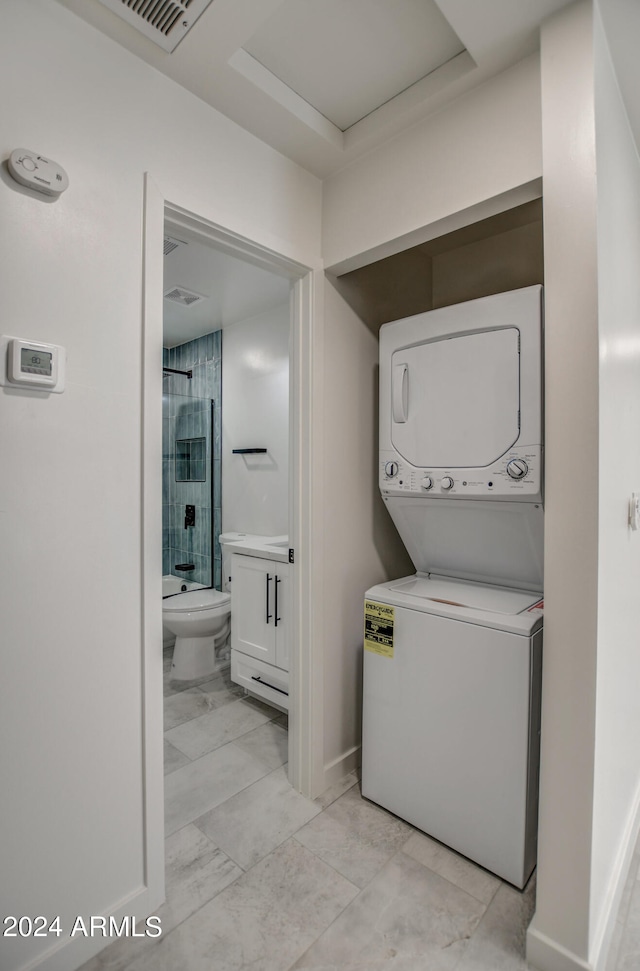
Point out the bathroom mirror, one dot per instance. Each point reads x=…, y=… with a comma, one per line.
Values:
x=191, y=454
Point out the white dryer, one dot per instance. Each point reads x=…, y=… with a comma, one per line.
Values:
x=452, y=659
x=461, y=401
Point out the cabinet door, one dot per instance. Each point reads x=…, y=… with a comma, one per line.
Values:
x=252, y=607
x=282, y=616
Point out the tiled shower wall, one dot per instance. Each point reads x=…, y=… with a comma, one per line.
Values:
x=186, y=413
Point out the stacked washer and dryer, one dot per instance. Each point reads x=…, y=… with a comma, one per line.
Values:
x=453, y=654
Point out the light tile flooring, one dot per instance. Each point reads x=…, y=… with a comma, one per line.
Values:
x=258, y=878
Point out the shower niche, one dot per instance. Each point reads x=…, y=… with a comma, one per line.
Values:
x=190, y=459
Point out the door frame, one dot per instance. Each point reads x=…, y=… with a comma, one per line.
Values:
x=305, y=727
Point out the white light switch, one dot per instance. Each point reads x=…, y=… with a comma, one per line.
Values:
x=634, y=510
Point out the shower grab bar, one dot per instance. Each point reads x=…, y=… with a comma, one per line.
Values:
x=246, y=451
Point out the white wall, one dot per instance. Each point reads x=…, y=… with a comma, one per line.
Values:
x=617, y=763
x=560, y=929
x=255, y=413
x=482, y=145
x=590, y=771
x=70, y=483
x=360, y=544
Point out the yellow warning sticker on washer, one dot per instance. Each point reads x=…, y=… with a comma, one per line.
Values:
x=378, y=628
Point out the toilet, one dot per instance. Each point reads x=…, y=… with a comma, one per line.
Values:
x=201, y=621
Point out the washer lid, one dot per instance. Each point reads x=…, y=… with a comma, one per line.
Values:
x=487, y=541
x=487, y=605
x=460, y=593
x=196, y=600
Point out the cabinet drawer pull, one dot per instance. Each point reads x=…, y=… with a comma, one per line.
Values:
x=278, y=580
x=254, y=677
x=269, y=579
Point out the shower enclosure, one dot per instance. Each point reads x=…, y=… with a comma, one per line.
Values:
x=191, y=489
x=191, y=461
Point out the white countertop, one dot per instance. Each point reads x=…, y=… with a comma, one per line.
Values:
x=251, y=544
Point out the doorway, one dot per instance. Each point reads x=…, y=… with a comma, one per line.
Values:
x=165, y=218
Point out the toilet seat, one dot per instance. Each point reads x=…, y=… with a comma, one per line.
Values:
x=195, y=600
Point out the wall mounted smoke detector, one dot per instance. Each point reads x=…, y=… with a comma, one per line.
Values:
x=165, y=22
x=37, y=172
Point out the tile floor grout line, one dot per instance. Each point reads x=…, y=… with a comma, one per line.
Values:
x=270, y=721
x=242, y=873
x=224, y=800
x=465, y=859
x=327, y=863
x=273, y=848
x=331, y=923
x=483, y=904
x=217, y=747
x=205, y=903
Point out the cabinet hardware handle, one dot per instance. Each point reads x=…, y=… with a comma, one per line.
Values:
x=269, y=579
x=278, y=580
x=254, y=677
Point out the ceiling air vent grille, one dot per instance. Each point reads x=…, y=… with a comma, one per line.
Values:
x=170, y=244
x=165, y=22
x=186, y=298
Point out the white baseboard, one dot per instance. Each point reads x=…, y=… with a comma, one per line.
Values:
x=606, y=926
x=543, y=954
x=341, y=766
x=72, y=952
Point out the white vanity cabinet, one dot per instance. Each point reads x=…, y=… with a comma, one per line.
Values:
x=260, y=627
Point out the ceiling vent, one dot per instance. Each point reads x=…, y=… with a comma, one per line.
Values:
x=171, y=243
x=186, y=298
x=165, y=22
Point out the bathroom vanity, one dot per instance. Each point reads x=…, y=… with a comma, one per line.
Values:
x=260, y=616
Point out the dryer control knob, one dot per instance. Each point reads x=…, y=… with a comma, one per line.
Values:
x=517, y=468
x=427, y=483
x=446, y=483
x=391, y=469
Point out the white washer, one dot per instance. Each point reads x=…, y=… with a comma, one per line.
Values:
x=451, y=713
x=452, y=686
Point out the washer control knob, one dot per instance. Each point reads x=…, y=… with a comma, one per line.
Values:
x=427, y=483
x=391, y=469
x=517, y=468
x=446, y=483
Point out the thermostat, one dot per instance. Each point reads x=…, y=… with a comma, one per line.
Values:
x=37, y=172
x=31, y=364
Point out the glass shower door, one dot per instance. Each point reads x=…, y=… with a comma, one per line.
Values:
x=190, y=493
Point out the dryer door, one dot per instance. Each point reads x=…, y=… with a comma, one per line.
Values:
x=456, y=401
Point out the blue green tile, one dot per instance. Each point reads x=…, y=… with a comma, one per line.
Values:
x=193, y=398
